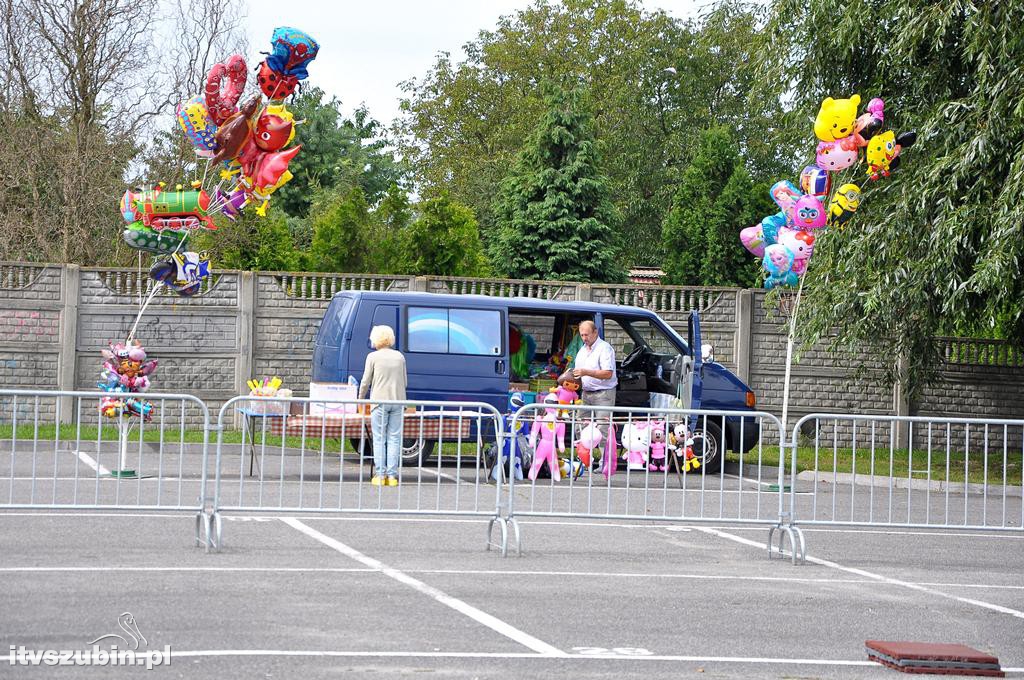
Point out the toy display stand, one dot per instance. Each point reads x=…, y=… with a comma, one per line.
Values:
x=124, y=430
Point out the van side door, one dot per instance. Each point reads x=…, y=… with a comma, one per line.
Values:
x=457, y=353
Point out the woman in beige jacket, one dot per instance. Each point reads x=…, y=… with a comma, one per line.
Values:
x=384, y=379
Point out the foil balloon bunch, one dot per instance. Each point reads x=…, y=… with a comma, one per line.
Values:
x=784, y=241
x=126, y=372
x=247, y=141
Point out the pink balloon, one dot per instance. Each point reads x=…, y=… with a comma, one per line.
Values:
x=833, y=156
x=808, y=213
x=801, y=244
x=752, y=239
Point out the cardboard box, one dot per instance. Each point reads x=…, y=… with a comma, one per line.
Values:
x=333, y=396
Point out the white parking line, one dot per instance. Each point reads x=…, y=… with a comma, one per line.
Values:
x=88, y=460
x=877, y=577
x=472, y=612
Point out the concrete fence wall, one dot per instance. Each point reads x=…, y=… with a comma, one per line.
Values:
x=55, y=319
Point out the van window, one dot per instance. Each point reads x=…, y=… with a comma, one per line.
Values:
x=455, y=331
x=334, y=322
x=624, y=334
x=540, y=327
x=386, y=315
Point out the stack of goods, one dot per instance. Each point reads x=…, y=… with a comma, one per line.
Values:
x=264, y=390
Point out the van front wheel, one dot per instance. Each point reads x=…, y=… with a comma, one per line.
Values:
x=415, y=452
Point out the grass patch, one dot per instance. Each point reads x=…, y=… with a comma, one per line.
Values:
x=898, y=463
x=841, y=460
x=173, y=435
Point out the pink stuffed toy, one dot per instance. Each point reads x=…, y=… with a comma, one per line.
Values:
x=658, y=437
x=636, y=438
x=567, y=391
x=552, y=432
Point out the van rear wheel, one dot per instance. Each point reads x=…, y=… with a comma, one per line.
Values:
x=415, y=452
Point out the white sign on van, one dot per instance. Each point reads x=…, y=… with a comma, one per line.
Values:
x=328, y=398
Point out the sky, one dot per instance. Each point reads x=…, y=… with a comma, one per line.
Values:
x=368, y=48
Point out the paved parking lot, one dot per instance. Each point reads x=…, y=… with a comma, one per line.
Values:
x=319, y=595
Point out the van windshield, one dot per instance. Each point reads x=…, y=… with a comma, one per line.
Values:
x=629, y=334
x=333, y=326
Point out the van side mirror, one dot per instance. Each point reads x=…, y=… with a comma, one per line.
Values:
x=707, y=352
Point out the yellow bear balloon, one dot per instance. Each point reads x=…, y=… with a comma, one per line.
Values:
x=836, y=118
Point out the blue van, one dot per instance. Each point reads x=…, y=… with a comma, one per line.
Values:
x=469, y=348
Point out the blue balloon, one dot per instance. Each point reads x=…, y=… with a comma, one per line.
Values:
x=770, y=227
x=787, y=280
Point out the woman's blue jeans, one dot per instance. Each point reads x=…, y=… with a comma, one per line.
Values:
x=386, y=424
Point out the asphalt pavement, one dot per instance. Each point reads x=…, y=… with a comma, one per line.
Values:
x=321, y=595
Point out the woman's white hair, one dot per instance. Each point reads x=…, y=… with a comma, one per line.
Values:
x=382, y=336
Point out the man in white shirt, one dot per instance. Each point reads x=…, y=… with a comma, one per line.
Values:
x=595, y=368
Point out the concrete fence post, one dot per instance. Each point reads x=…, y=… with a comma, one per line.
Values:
x=744, y=333
x=584, y=292
x=70, y=288
x=419, y=284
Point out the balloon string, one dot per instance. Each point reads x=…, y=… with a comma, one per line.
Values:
x=142, y=310
x=152, y=293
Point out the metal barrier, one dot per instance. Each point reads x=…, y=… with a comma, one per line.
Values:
x=312, y=456
x=908, y=472
x=658, y=480
x=58, y=451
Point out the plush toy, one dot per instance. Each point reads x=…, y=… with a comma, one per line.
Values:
x=567, y=391
x=590, y=439
x=571, y=468
x=636, y=439
x=659, y=435
x=551, y=431
x=681, y=446
x=514, y=438
x=836, y=118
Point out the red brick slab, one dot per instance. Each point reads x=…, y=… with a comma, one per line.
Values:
x=933, y=658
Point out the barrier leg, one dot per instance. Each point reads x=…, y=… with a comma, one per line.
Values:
x=500, y=521
x=518, y=539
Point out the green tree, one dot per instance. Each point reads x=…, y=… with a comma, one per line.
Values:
x=391, y=220
x=443, y=241
x=465, y=121
x=715, y=199
x=251, y=243
x=936, y=248
x=336, y=151
x=342, y=228
x=555, y=216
